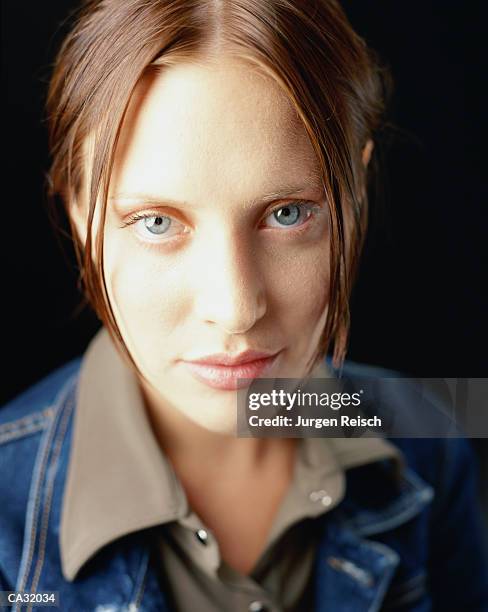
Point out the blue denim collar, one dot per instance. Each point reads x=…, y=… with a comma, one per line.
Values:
x=403, y=495
x=353, y=572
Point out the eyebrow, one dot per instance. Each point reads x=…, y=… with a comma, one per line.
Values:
x=148, y=198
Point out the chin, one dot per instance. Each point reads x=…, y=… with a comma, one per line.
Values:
x=219, y=426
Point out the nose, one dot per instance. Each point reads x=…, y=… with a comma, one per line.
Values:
x=230, y=291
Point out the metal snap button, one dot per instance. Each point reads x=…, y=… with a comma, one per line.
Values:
x=322, y=496
x=257, y=606
x=202, y=536
x=326, y=500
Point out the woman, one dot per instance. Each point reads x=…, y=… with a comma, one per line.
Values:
x=212, y=158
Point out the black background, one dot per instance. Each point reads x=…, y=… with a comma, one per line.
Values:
x=418, y=306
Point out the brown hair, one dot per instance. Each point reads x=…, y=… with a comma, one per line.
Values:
x=308, y=47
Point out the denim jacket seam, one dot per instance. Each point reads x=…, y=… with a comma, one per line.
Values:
x=25, y=425
x=393, y=558
x=58, y=442
x=38, y=478
x=20, y=435
x=140, y=581
x=32, y=509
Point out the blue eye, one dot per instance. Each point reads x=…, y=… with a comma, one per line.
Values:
x=157, y=225
x=153, y=227
x=290, y=215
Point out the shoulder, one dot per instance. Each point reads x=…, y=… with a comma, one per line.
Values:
x=31, y=408
x=428, y=448
x=443, y=469
x=23, y=422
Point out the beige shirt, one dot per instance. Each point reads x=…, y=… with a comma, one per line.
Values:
x=119, y=481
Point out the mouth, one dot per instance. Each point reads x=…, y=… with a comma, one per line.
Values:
x=229, y=373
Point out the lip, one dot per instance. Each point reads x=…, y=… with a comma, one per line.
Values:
x=224, y=359
x=225, y=372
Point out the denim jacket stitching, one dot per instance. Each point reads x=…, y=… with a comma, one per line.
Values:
x=393, y=558
x=357, y=573
x=25, y=425
x=22, y=433
x=33, y=505
x=68, y=409
x=140, y=582
x=37, y=479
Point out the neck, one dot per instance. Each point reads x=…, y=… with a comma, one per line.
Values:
x=192, y=448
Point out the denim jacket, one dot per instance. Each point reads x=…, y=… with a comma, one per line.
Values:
x=416, y=545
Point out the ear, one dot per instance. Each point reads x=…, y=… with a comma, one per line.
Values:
x=368, y=149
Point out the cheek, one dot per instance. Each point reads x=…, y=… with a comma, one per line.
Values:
x=148, y=298
x=152, y=300
x=300, y=285
x=301, y=299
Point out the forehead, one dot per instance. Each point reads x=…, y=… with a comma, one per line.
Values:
x=196, y=129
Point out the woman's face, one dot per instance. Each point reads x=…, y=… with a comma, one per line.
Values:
x=216, y=237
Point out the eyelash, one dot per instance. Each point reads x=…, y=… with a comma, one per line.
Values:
x=147, y=215
x=312, y=208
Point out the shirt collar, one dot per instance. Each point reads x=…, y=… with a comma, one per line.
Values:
x=115, y=462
